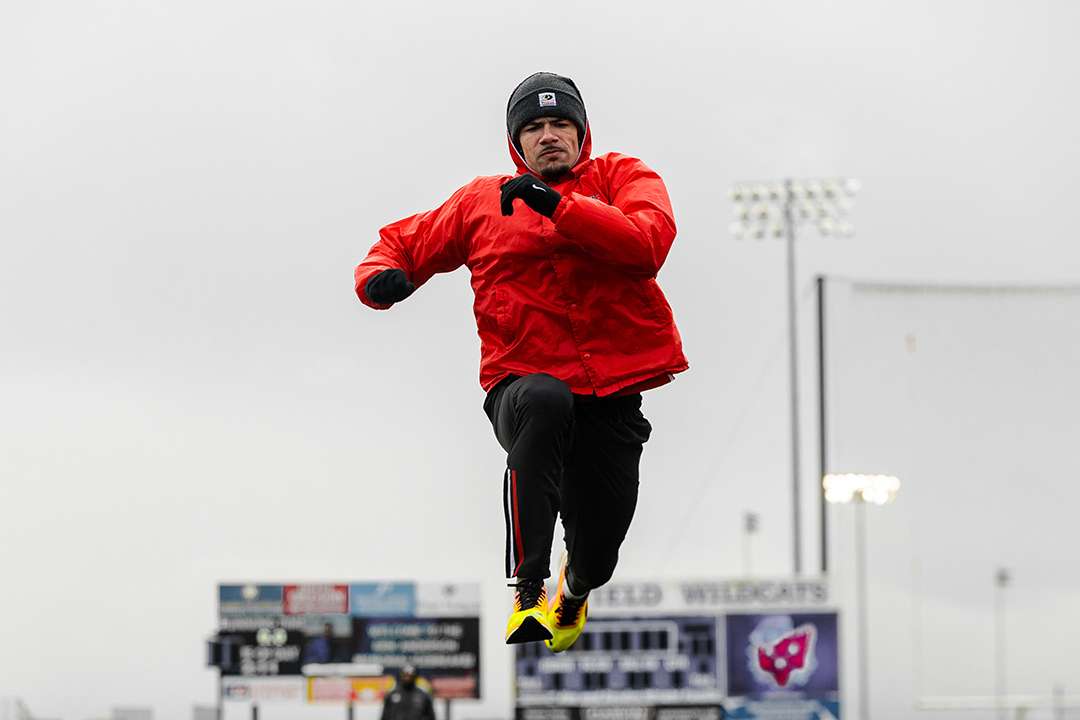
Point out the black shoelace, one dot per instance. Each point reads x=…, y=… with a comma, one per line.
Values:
x=569, y=610
x=528, y=593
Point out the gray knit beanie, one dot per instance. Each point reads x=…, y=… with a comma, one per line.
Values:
x=544, y=94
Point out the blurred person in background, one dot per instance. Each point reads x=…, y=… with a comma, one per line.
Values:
x=406, y=700
x=320, y=649
x=573, y=327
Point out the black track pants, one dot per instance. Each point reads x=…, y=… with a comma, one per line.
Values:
x=575, y=459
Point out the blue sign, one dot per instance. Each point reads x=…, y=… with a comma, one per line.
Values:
x=250, y=599
x=382, y=600
x=793, y=709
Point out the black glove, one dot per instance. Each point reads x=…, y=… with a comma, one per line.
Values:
x=533, y=191
x=389, y=287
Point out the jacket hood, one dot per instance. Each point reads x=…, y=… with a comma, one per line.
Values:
x=584, y=154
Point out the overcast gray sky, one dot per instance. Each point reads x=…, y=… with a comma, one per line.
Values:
x=190, y=392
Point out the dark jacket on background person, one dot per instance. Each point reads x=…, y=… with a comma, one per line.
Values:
x=574, y=296
x=407, y=702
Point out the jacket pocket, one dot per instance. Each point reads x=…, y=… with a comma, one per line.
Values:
x=655, y=302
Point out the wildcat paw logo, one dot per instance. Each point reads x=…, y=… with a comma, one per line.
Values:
x=781, y=655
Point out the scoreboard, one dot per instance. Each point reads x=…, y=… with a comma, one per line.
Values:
x=348, y=639
x=654, y=659
x=753, y=649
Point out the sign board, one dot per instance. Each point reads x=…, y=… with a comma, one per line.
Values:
x=362, y=690
x=349, y=638
x=734, y=648
x=262, y=689
x=447, y=650
x=708, y=596
x=778, y=653
x=783, y=665
x=654, y=660
x=622, y=712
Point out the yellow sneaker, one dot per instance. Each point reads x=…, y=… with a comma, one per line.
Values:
x=529, y=622
x=566, y=616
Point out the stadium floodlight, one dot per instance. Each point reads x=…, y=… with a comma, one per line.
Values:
x=876, y=489
x=863, y=489
x=778, y=209
x=796, y=201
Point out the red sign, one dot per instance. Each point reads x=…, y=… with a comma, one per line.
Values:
x=316, y=599
x=454, y=687
x=322, y=689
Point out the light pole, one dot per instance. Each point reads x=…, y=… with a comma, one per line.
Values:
x=777, y=210
x=1001, y=581
x=862, y=489
x=750, y=528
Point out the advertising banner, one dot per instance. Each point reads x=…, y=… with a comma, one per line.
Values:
x=683, y=650
x=447, y=650
x=770, y=654
x=263, y=689
x=782, y=666
x=622, y=712
x=348, y=635
x=250, y=599
x=315, y=599
x=357, y=690
x=280, y=628
x=791, y=709
x=382, y=599
x=718, y=596
x=447, y=600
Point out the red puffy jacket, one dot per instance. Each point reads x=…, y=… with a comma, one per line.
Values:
x=574, y=296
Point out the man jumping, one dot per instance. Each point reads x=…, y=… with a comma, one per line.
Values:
x=573, y=327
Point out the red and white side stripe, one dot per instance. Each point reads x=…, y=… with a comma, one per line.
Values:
x=515, y=554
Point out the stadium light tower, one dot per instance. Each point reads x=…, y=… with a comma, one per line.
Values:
x=778, y=209
x=862, y=489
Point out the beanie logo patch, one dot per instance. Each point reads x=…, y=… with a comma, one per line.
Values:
x=547, y=99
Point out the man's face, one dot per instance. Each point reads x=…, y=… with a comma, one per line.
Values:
x=550, y=146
